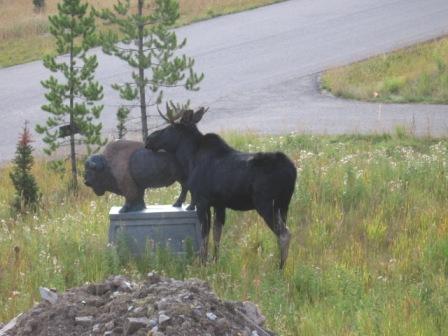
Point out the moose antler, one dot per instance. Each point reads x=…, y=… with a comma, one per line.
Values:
x=173, y=112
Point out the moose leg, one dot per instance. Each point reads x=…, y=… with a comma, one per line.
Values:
x=284, y=237
x=275, y=218
x=204, y=220
x=182, y=196
x=220, y=217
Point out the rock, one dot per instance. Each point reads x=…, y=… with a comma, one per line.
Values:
x=138, y=310
x=48, y=295
x=9, y=326
x=254, y=333
x=222, y=326
x=253, y=313
x=121, y=283
x=98, y=289
x=153, y=278
x=163, y=318
x=133, y=324
x=109, y=325
x=117, y=331
x=96, y=328
x=211, y=316
x=162, y=304
x=84, y=320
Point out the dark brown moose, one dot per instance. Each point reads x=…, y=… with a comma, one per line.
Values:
x=127, y=168
x=221, y=177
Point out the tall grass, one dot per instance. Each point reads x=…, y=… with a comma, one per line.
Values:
x=24, y=32
x=415, y=74
x=369, y=254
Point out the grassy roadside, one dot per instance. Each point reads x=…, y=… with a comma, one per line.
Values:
x=24, y=33
x=369, y=254
x=418, y=74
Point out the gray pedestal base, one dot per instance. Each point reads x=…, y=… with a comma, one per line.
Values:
x=156, y=226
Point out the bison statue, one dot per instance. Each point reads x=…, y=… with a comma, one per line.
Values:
x=127, y=168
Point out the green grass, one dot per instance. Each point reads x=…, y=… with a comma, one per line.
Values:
x=418, y=74
x=24, y=34
x=369, y=253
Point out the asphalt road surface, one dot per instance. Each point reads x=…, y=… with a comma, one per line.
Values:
x=261, y=68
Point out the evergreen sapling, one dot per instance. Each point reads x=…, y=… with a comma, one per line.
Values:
x=27, y=192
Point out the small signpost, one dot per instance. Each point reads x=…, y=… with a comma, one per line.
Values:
x=66, y=130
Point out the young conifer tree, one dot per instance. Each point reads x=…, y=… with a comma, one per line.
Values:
x=122, y=118
x=27, y=191
x=72, y=96
x=151, y=48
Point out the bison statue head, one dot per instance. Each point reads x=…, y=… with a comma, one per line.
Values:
x=97, y=175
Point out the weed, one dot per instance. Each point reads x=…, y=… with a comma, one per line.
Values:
x=368, y=255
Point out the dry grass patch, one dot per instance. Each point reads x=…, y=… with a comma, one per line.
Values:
x=24, y=32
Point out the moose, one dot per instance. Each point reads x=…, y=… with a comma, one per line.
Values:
x=221, y=177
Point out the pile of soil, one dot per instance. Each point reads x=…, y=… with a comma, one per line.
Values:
x=157, y=306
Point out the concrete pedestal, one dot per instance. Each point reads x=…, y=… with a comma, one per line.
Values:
x=156, y=226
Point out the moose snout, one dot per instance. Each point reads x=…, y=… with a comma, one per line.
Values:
x=149, y=142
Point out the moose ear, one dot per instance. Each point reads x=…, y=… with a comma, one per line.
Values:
x=197, y=116
x=187, y=117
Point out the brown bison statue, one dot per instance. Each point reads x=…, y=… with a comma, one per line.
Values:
x=127, y=168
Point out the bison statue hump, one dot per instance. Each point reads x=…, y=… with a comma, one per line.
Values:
x=127, y=168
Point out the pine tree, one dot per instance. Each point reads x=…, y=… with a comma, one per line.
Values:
x=27, y=192
x=122, y=117
x=71, y=100
x=151, y=48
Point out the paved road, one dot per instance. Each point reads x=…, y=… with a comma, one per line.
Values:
x=261, y=68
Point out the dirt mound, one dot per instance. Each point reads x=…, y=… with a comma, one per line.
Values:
x=158, y=306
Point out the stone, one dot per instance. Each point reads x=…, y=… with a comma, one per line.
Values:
x=211, y=316
x=163, y=318
x=133, y=324
x=253, y=313
x=98, y=289
x=153, y=278
x=48, y=295
x=8, y=326
x=109, y=325
x=84, y=320
x=96, y=328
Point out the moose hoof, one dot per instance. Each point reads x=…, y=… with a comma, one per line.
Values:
x=191, y=207
x=177, y=205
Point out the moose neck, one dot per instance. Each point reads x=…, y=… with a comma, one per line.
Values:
x=187, y=148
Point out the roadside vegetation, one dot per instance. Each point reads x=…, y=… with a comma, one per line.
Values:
x=418, y=74
x=369, y=253
x=24, y=32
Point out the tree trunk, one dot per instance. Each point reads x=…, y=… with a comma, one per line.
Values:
x=72, y=124
x=141, y=75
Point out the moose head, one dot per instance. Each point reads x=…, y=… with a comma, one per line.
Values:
x=182, y=126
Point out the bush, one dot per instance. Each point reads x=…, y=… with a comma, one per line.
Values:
x=392, y=85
